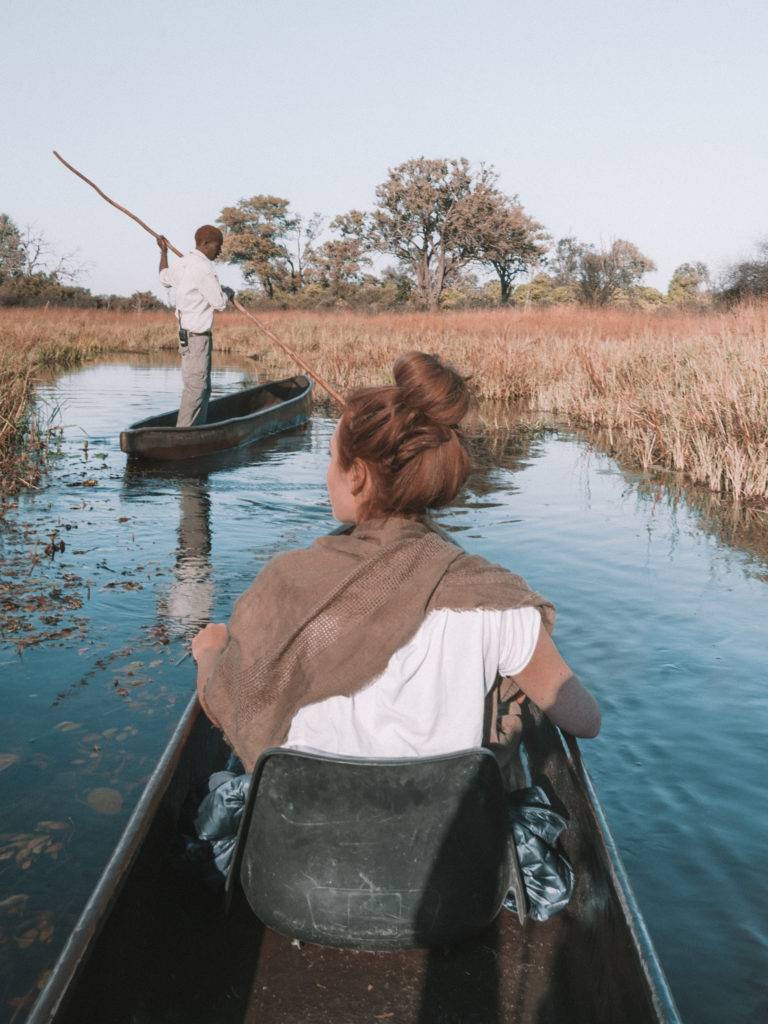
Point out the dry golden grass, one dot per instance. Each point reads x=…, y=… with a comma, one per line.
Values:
x=687, y=392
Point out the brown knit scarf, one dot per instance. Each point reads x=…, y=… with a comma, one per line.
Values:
x=324, y=621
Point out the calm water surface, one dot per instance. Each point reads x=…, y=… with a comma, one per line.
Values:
x=665, y=623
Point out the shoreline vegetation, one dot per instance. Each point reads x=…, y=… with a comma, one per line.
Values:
x=685, y=392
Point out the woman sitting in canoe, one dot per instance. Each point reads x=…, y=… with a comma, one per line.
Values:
x=387, y=641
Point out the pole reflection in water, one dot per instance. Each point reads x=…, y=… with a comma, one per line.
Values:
x=188, y=603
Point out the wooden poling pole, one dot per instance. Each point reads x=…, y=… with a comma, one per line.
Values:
x=113, y=203
x=289, y=351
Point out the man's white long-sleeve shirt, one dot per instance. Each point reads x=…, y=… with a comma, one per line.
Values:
x=197, y=289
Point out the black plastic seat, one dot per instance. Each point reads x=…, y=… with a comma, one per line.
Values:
x=374, y=854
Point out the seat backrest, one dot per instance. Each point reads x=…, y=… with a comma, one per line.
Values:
x=374, y=854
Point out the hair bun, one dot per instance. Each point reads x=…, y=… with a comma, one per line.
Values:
x=429, y=387
x=406, y=435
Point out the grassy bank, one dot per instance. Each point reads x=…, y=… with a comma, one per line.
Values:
x=684, y=392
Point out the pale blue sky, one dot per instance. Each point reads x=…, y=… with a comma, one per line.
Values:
x=607, y=119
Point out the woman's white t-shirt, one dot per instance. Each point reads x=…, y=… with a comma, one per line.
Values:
x=430, y=698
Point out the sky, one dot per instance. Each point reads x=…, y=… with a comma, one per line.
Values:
x=608, y=119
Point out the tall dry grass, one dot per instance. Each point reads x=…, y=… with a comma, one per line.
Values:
x=687, y=392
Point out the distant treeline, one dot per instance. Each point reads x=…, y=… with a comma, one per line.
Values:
x=33, y=275
x=444, y=233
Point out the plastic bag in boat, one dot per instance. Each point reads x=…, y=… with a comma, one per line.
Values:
x=205, y=848
x=547, y=875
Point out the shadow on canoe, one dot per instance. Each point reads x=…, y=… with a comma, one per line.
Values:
x=151, y=946
x=233, y=421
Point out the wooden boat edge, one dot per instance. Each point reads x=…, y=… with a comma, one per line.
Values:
x=96, y=911
x=148, y=422
x=657, y=984
x=132, y=437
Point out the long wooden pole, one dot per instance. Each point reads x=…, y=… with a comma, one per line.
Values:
x=262, y=327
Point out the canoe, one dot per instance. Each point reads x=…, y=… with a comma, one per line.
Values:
x=151, y=946
x=233, y=421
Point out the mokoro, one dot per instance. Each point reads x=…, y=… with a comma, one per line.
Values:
x=232, y=421
x=150, y=947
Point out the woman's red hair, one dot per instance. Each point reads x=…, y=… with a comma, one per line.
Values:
x=408, y=437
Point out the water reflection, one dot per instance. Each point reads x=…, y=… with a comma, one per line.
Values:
x=733, y=524
x=742, y=525
x=188, y=603
x=495, y=456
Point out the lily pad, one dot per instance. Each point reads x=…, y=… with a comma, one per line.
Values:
x=105, y=800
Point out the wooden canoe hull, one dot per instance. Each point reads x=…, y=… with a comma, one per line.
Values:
x=151, y=947
x=233, y=421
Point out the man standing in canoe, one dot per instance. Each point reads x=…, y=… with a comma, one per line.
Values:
x=198, y=296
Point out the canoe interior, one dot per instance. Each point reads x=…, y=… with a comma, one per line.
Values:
x=160, y=949
x=232, y=420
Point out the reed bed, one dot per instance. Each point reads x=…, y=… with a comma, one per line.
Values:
x=682, y=391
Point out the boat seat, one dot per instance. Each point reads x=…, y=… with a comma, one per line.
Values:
x=374, y=854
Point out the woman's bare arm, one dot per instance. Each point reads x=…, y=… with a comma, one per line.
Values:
x=553, y=687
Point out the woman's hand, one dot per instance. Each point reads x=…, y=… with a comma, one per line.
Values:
x=211, y=639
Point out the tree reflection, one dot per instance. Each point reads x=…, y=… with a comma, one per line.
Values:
x=735, y=524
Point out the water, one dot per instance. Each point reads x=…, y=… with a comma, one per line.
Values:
x=662, y=620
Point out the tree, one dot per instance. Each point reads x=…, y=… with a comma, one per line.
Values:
x=565, y=261
x=748, y=279
x=400, y=281
x=544, y=290
x=340, y=262
x=41, y=259
x=303, y=236
x=140, y=301
x=601, y=275
x=687, y=282
x=32, y=273
x=424, y=219
x=11, y=249
x=254, y=238
x=28, y=254
x=506, y=238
